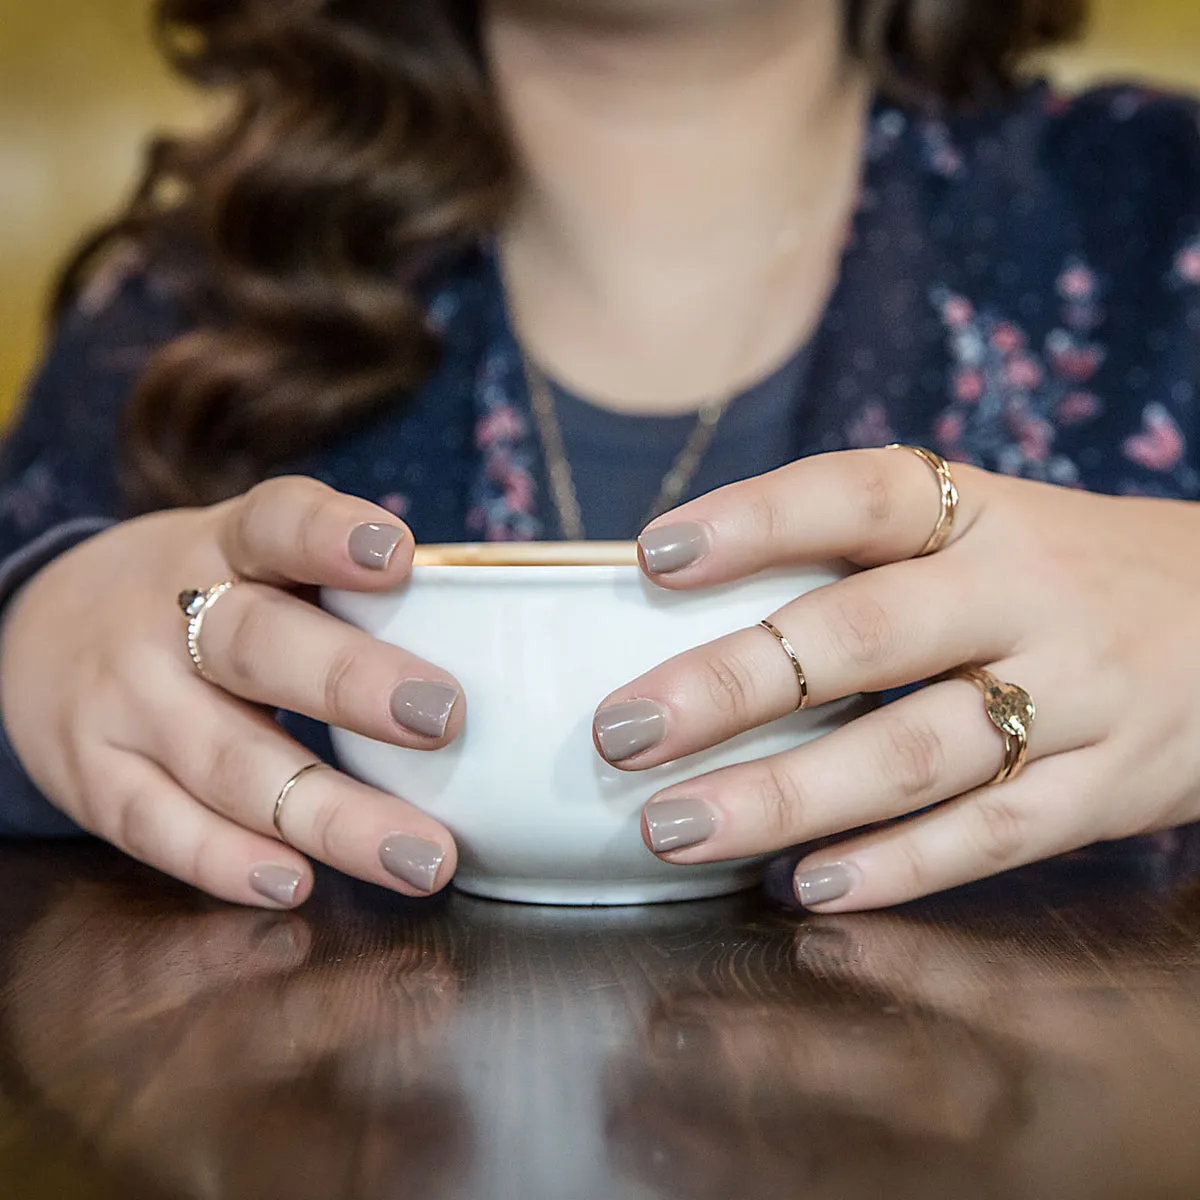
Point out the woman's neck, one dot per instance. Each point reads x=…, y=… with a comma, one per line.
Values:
x=688, y=167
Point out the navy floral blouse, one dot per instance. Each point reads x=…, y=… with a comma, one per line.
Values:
x=1020, y=289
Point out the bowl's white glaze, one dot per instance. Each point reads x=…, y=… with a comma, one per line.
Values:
x=538, y=815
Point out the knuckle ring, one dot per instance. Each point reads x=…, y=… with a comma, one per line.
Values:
x=801, y=678
x=286, y=791
x=949, y=497
x=195, y=606
x=1011, y=709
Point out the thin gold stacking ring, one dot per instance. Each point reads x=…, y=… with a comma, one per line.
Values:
x=949, y=496
x=801, y=678
x=286, y=791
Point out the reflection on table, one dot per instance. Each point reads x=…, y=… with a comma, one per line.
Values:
x=1036, y=1036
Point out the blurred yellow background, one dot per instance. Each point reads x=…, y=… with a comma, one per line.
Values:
x=80, y=86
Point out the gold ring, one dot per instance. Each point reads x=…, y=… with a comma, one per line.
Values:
x=787, y=649
x=286, y=790
x=195, y=606
x=949, y=496
x=1011, y=709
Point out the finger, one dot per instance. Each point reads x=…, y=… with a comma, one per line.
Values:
x=298, y=530
x=906, y=756
x=144, y=812
x=1042, y=813
x=236, y=760
x=866, y=506
x=882, y=629
x=272, y=648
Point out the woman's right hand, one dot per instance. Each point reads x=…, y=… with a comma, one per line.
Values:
x=112, y=722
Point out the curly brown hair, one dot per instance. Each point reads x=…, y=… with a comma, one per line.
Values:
x=363, y=145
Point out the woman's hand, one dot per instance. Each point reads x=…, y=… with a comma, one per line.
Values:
x=1088, y=602
x=113, y=723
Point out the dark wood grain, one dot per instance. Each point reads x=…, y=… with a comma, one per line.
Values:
x=1036, y=1037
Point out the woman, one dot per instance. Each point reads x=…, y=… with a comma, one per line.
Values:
x=821, y=226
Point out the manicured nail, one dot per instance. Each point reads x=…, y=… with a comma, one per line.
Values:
x=675, y=824
x=628, y=728
x=371, y=546
x=423, y=706
x=274, y=883
x=281, y=942
x=673, y=547
x=411, y=859
x=820, y=885
x=688, y=1038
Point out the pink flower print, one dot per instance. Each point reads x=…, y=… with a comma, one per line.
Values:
x=1077, y=407
x=1160, y=445
x=947, y=430
x=395, y=502
x=498, y=531
x=518, y=492
x=1023, y=373
x=1187, y=263
x=958, y=312
x=947, y=161
x=1075, y=363
x=502, y=424
x=1007, y=338
x=1056, y=104
x=942, y=155
x=1077, y=283
x=968, y=386
x=1035, y=436
x=870, y=428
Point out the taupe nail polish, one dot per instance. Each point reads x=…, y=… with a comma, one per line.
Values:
x=423, y=706
x=678, y=823
x=411, y=859
x=628, y=728
x=820, y=885
x=673, y=547
x=275, y=883
x=371, y=546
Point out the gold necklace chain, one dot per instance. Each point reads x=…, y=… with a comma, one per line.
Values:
x=558, y=465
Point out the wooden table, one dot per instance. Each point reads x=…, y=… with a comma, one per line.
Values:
x=1034, y=1037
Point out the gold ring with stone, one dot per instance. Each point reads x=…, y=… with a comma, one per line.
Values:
x=195, y=606
x=949, y=496
x=286, y=791
x=801, y=679
x=1011, y=709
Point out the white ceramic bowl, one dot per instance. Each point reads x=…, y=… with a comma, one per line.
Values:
x=538, y=815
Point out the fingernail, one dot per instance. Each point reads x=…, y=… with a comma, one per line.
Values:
x=675, y=824
x=371, y=546
x=423, y=706
x=688, y=1038
x=673, y=547
x=275, y=883
x=281, y=942
x=820, y=885
x=626, y=729
x=411, y=859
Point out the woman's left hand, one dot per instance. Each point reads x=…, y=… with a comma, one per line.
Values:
x=1090, y=603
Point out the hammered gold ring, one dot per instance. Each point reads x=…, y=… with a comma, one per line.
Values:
x=949, y=497
x=286, y=791
x=195, y=606
x=1011, y=709
x=801, y=678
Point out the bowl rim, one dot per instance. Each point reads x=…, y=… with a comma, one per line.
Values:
x=523, y=555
